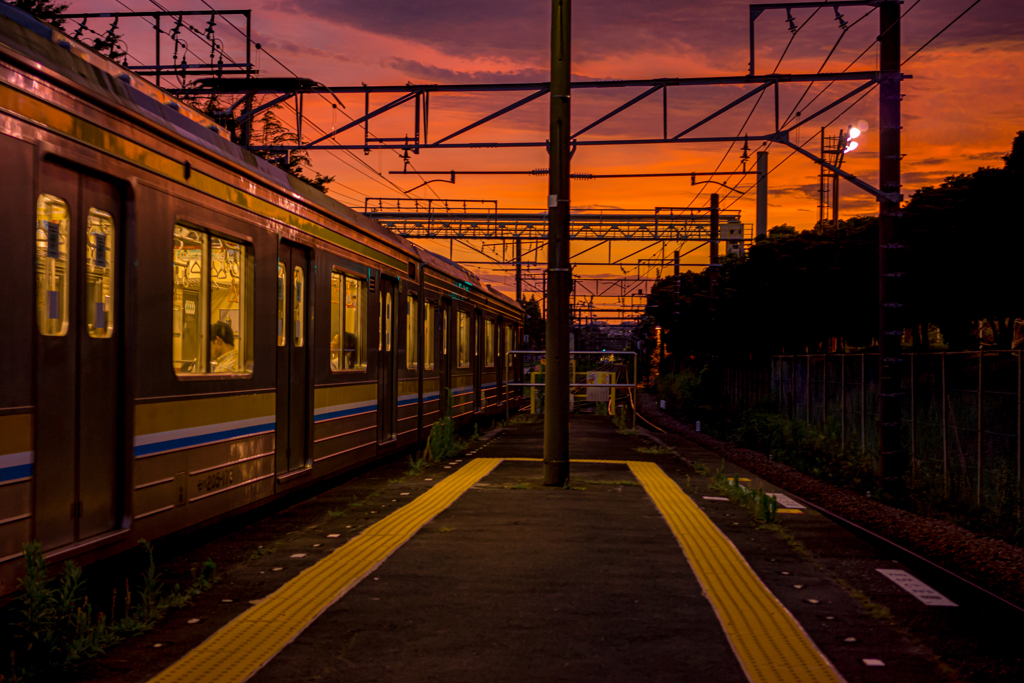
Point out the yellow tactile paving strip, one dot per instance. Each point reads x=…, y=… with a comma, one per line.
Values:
x=238, y=650
x=769, y=643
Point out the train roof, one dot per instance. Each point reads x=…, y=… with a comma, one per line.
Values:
x=45, y=46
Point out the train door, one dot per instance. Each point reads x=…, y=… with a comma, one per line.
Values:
x=386, y=373
x=478, y=360
x=499, y=359
x=445, y=375
x=79, y=428
x=293, y=340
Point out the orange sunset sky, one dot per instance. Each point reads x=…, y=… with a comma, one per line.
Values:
x=961, y=109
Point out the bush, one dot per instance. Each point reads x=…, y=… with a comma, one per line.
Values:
x=815, y=451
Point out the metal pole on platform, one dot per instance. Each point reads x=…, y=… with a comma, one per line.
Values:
x=556, y=375
x=892, y=460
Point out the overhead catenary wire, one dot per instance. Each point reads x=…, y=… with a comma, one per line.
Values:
x=321, y=95
x=871, y=89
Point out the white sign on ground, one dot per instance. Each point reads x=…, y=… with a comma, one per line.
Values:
x=917, y=588
x=786, y=502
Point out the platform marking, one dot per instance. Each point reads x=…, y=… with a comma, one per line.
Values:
x=785, y=501
x=769, y=643
x=916, y=587
x=242, y=647
x=583, y=460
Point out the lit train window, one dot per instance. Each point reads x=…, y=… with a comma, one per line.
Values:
x=348, y=329
x=463, y=338
x=354, y=338
x=489, y=343
x=282, y=304
x=380, y=326
x=212, y=305
x=387, y=321
x=52, y=234
x=99, y=274
x=428, y=336
x=411, y=328
x=298, y=306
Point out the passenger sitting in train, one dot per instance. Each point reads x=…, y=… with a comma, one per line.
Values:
x=222, y=348
x=335, y=354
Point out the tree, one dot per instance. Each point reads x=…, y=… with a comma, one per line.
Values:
x=534, y=324
x=269, y=130
x=814, y=291
x=45, y=10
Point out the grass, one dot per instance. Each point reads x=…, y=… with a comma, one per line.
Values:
x=596, y=482
x=519, y=485
x=53, y=627
x=761, y=505
x=655, y=450
x=260, y=552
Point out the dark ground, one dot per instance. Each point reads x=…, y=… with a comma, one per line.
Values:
x=520, y=582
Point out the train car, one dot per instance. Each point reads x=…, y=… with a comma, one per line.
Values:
x=189, y=332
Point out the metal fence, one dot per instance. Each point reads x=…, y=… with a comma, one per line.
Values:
x=962, y=412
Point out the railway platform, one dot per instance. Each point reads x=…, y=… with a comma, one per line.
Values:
x=637, y=571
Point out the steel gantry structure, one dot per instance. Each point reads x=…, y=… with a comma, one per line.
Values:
x=416, y=137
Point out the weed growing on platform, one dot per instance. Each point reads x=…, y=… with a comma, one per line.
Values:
x=442, y=443
x=763, y=506
x=621, y=423
x=53, y=628
x=609, y=483
x=522, y=419
x=416, y=466
x=657, y=449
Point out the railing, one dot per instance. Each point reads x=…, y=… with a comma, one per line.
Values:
x=601, y=372
x=962, y=412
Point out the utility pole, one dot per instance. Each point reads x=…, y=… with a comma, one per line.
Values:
x=892, y=460
x=713, y=287
x=556, y=374
x=519, y=269
x=762, y=194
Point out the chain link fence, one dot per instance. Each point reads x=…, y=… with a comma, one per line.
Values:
x=962, y=412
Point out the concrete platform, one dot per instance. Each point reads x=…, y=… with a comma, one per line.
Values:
x=512, y=581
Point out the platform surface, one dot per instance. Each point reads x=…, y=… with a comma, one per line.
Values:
x=630, y=573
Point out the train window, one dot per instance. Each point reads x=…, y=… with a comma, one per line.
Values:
x=489, y=343
x=348, y=332
x=387, y=321
x=428, y=336
x=52, y=234
x=298, y=306
x=99, y=274
x=411, y=330
x=354, y=347
x=380, y=327
x=212, y=304
x=282, y=304
x=463, y=338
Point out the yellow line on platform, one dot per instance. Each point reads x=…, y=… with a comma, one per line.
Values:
x=239, y=649
x=769, y=643
x=583, y=460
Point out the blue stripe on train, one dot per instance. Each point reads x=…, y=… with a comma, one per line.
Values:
x=344, y=413
x=186, y=442
x=16, y=472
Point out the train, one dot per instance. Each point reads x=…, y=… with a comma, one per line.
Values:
x=190, y=332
